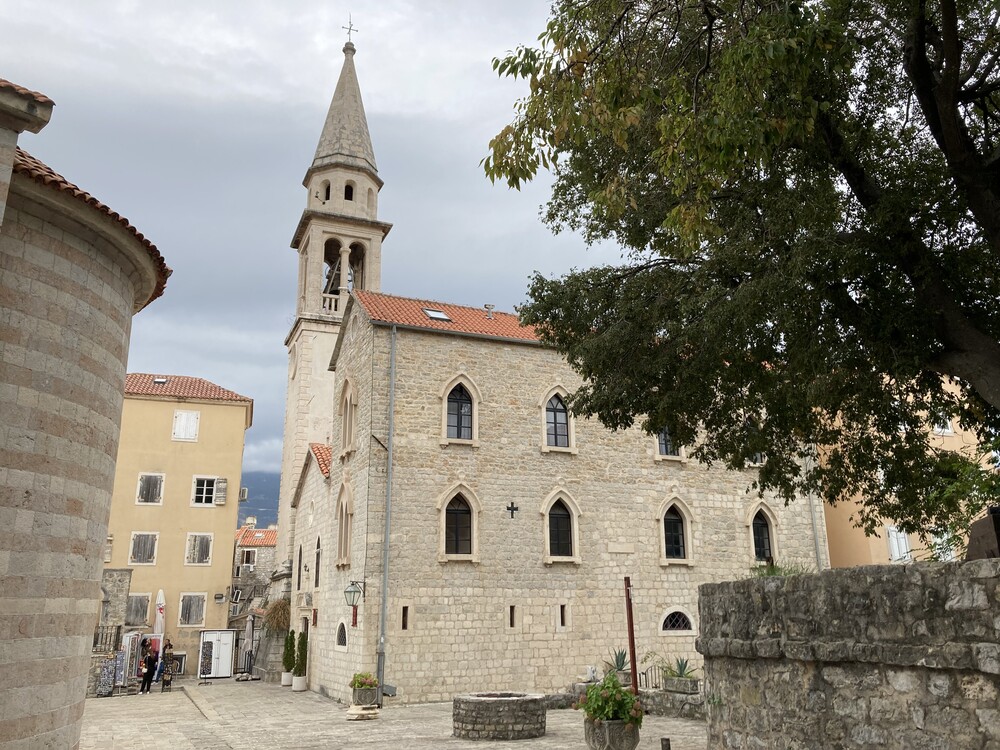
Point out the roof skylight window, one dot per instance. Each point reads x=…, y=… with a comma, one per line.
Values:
x=433, y=314
x=160, y=381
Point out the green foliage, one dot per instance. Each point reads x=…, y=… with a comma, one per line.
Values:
x=776, y=570
x=277, y=617
x=680, y=668
x=808, y=197
x=607, y=699
x=301, y=654
x=619, y=660
x=288, y=656
x=363, y=680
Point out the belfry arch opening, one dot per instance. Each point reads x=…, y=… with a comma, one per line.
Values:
x=333, y=258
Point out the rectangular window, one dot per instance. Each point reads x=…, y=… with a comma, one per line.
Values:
x=406, y=619
x=186, y=425
x=943, y=427
x=192, y=610
x=199, y=549
x=150, y=489
x=108, y=544
x=143, y=548
x=511, y=617
x=204, y=491
x=666, y=444
x=562, y=615
x=137, y=609
x=899, y=544
x=248, y=557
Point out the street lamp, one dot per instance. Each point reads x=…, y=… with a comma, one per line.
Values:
x=354, y=593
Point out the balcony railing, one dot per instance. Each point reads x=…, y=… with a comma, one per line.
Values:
x=107, y=638
x=331, y=302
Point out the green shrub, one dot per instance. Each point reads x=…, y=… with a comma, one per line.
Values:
x=288, y=657
x=608, y=700
x=300, y=655
x=363, y=680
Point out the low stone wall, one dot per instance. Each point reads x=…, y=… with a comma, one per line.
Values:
x=876, y=657
x=676, y=698
x=498, y=716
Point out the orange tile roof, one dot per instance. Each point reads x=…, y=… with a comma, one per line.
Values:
x=27, y=165
x=11, y=86
x=403, y=311
x=324, y=457
x=178, y=386
x=248, y=536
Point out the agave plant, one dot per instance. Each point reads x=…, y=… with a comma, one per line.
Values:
x=619, y=660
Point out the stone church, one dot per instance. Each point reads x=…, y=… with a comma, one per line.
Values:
x=430, y=459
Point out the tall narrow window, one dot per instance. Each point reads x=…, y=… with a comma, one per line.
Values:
x=345, y=517
x=761, y=538
x=459, y=413
x=405, y=623
x=348, y=417
x=673, y=534
x=316, y=572
x=560, y=530
x=298, y=577
x=348, y=192
x=458, y=527
x=556, y=423
x=666, y=444
x=511, y=619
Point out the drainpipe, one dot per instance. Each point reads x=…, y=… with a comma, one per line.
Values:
x=380, y=651
x=812, y=517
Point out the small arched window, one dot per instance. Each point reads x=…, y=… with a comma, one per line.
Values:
x=458, y=527
x=298, y=577
x=459, y=413
x=316, y=572
x=673, y=535
x=342, y=636
x=560, y=530
x=348, y=192
x=675, y=621
x=556, y=423
x=762, y=538
x=326, y=190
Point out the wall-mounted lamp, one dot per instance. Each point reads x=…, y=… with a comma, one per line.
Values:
x=354, y=593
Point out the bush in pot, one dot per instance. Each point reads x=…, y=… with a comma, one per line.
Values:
x=299, y=670
x=612, y=715
x=288, y=658
x=364, y=687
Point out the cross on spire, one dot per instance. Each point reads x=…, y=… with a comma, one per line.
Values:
x=350, y=27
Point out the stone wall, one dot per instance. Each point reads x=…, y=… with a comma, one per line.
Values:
x=875, y=657
x=115, y=584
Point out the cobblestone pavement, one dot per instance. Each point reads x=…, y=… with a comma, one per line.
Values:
x=231, y=714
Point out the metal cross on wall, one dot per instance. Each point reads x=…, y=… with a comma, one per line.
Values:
x=512, y=509
x=350, y=27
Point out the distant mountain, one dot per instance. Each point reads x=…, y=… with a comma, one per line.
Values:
x=262, y=497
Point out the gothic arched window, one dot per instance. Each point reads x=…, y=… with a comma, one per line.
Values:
x=556, y=423
x=459, y=413
x=458, y=527
x=560, y=530
x=762, y=538
x=673, y=535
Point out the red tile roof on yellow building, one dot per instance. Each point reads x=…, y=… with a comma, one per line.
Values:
x=324, y=457
x=443, y=317
x=249, y=536
x=27, y=165
x=11, y=86
x=178, y=386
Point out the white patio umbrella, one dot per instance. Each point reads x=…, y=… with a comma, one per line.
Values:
x=247, y=643
x=158, y=619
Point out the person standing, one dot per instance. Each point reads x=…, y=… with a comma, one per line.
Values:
x=148, y=671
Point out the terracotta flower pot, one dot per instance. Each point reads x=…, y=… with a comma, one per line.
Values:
x=286, y=679
x=610, y=734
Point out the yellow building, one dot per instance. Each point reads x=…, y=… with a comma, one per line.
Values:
x=848, y=544
x=175, y=502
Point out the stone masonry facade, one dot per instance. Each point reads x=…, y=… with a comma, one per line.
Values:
x=507, y=617
x=889, y=657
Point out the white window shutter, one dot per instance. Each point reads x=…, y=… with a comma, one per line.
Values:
x=221, y=487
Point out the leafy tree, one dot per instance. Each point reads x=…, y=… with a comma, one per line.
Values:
x=301, y=654
x=808, y=198
x=288, y=655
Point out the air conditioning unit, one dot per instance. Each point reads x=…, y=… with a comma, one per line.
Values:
x=244, y=494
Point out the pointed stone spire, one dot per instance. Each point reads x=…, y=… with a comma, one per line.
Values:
x=345, y=140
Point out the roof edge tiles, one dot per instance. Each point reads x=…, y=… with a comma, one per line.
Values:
x=37, y=96
x=34, y=169
x=387, y=309
x=179, y=386
x=324, y=457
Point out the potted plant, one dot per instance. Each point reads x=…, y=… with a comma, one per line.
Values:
x=288, y=659
x=612, y=715
x=679, y=677
x=364, y=687
x=299, y=671
x=619, y=665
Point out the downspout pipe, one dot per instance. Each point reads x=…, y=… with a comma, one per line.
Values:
x=380, y=651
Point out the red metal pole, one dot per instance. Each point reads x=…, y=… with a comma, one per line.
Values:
x=631, y=636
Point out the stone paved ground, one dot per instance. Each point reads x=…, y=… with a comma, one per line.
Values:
x=230, y=714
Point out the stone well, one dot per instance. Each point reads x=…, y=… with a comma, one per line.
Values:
x=498, y=716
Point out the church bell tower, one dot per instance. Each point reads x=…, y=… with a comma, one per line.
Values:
x=339, y=245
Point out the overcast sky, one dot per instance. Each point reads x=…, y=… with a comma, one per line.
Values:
x=197, y=121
